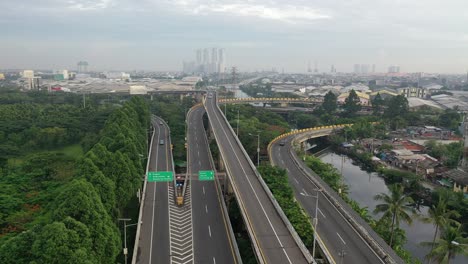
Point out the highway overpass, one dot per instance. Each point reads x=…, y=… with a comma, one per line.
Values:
x=152, y=240
x=213, y=238
x=344, y=236
x=273, y=238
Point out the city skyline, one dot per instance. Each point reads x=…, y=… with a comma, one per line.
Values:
x=158, y=35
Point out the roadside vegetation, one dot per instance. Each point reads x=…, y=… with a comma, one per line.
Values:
x=58, y=204
x=277, y=180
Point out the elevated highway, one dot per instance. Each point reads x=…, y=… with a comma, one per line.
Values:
x=273, y=238
x=342, y=234
x=213, y=238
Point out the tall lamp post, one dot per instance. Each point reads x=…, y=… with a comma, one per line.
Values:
x=315, y=223
x=125, y=249
x=258, y=147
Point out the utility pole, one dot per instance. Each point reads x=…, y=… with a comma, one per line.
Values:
x=258, y=149
x=125, y=249
x=237, y=130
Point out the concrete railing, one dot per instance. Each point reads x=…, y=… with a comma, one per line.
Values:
x=322, y=245
x=343, y=208
x=360, y=230
x=278, y=209
x=143, y=195
x=224, y=209
x=247, y=222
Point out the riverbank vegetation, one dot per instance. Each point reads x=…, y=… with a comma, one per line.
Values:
x=392, y=234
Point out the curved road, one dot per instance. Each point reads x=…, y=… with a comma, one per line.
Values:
x=340, y=238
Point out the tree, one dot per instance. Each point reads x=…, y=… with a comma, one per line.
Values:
x=397, y=107
x=329, y=102
x=377, y=104
x=440, y=215
x=395, y=206
x=63, y=242
x=79, y=200
x=450, y=119
x=449, y=245
x=352, y=104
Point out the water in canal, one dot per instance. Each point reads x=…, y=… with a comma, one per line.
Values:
x=363, y=186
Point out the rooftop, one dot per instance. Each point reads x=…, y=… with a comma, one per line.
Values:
x=457, y=175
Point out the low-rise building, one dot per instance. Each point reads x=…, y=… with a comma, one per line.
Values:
x=459, y=178
x=364, y=99
x=413, y=92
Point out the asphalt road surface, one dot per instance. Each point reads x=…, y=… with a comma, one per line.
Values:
x=211, y=240
x=270, y=233
x=154, y=237
x=340, y=238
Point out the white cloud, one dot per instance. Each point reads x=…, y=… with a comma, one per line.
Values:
x=285, y=13
x=85, y=5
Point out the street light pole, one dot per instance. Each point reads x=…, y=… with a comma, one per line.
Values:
x=258, y=149
x=315, y=221
x=237, y=130
x=125, y=249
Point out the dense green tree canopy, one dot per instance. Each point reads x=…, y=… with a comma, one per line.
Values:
x=352, y=104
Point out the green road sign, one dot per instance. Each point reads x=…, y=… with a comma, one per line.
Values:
x=160, y=176
x=206, y=175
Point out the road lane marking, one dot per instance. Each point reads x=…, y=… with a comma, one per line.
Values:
x=214, y=260
x=206, y=208
x=252, y=188
x=296, y=180
x=203, y=189
x=305, y=193
x=154, y=197
x=342, y=240
x=209, y=230
x=320, y=211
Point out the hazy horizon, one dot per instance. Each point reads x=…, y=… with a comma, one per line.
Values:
x=428, y=36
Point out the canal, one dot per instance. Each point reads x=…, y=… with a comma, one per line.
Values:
x=363, y=186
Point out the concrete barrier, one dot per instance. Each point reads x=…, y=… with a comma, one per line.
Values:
x=140, y=213
x=328, y=192
x=278, y=209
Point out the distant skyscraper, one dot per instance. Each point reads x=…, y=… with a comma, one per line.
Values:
x=309, y=69
x=206, y=56
x=199, y=57
x=373, y=68
x=316, y=68
x=214, y=55
x=364, y=68
x=394, y=69
x=82, y=66
x=221, y=60
x=357, y=68
x=333, y=70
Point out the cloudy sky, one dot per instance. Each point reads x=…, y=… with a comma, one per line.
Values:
x=429, y=35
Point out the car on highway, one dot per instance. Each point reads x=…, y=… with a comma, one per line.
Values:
x=161, y=142
x=160, y=123
x=282, y=142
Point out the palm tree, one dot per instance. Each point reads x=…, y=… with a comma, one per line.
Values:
x=450, y=244
x=439, y=216
x=395, y=206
